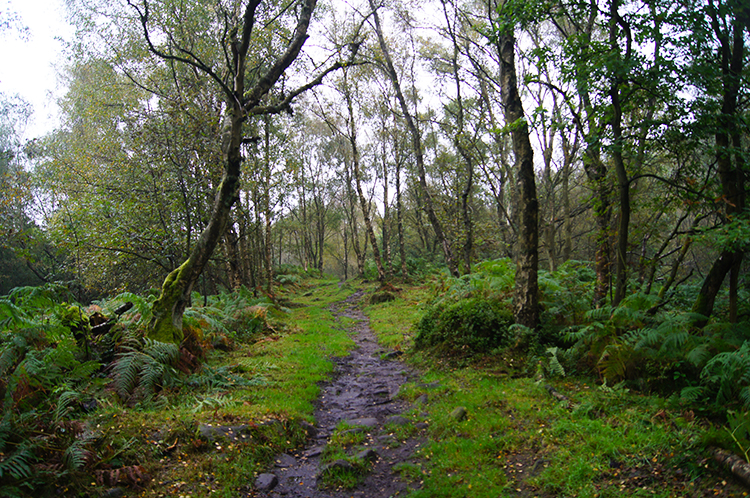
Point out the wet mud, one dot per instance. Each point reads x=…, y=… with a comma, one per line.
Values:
x=363, y=393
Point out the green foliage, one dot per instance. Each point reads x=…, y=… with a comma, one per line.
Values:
x=727, y=377
x=222, y=378
x=18, y=464
x=288, y=280
x=566, y=296
x=470, y=325
x=419, y=268
x=236, y=316
x=555, y=367
x=143, y=370
x=138, y=317
x=661, y=351
x=43, y=378
x=731, y=236
x=491, y=279
x=738, y=426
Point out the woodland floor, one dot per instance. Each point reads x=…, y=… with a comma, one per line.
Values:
x=424, y=428
x=360, y=398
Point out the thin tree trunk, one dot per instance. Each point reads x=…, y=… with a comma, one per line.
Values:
x=459, y=141
x=386, y=231
x=350, y=203
x=596, y=171
x=346, y=254
x=364, y=204
x=400, y=219
x=232, y=258
x=567, y=222
x=549, y=229
x=267, y=239
x=526, y=293
x=417, y=145
x=623, y=183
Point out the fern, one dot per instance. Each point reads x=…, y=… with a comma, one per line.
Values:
x=11, y=492
x=692, y=394
x=222, y=378
x=163, y=352
x=615, y=360
x=75, y=455
x=554, y=366
x=125, y=371
x=148, y=369
x=138, y=316
x=18, y=465
x=40, y=298
x=602, y=314
x=728, y=375
x=12, y=316
x=206, y=317
x=9, y=357
x=211, y=403
x=699, y=355
x=65, y=404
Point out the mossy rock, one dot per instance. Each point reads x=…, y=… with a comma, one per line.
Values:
x=382, y=297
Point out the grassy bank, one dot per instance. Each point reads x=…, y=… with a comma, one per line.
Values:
x=145, y=425
x=290, y=361
x=494, y=432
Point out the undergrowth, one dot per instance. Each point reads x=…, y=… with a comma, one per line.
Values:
x=638, y=378
x=88, y=406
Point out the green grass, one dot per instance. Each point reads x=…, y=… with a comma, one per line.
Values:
x=393, y=322
x=289, y=362
x=516, y=436
x=518, y=440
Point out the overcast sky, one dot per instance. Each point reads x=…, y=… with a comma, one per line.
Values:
x=28, y=67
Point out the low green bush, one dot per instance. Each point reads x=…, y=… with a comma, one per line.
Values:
x=474, y=325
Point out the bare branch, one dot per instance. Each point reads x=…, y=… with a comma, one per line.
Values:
x=192, y=60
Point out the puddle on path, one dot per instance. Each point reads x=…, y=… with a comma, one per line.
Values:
x=363, y=392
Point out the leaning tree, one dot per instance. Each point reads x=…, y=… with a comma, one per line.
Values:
x=246, y=85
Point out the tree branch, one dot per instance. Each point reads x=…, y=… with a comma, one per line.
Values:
x=261, y=88
x=143, y=16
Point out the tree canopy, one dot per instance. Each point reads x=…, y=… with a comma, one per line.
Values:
x=375, y=139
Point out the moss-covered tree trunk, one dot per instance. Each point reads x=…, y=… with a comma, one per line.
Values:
x=166, y=324
x=242, y=103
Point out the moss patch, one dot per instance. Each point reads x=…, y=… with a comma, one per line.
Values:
x=163, y=327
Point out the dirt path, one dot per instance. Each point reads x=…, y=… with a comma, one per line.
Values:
x=363, y=393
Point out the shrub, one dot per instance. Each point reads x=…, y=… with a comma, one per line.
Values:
x=473, y=325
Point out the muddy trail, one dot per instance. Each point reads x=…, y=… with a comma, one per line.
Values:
x=362, y=393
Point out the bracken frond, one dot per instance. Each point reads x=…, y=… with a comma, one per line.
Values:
x=75, y=455
x=17, y=465
x=66, y=404
x=555, y=366
x=692, y=394
x=126, y=369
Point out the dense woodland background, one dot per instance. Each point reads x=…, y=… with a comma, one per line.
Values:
x=637, y=114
